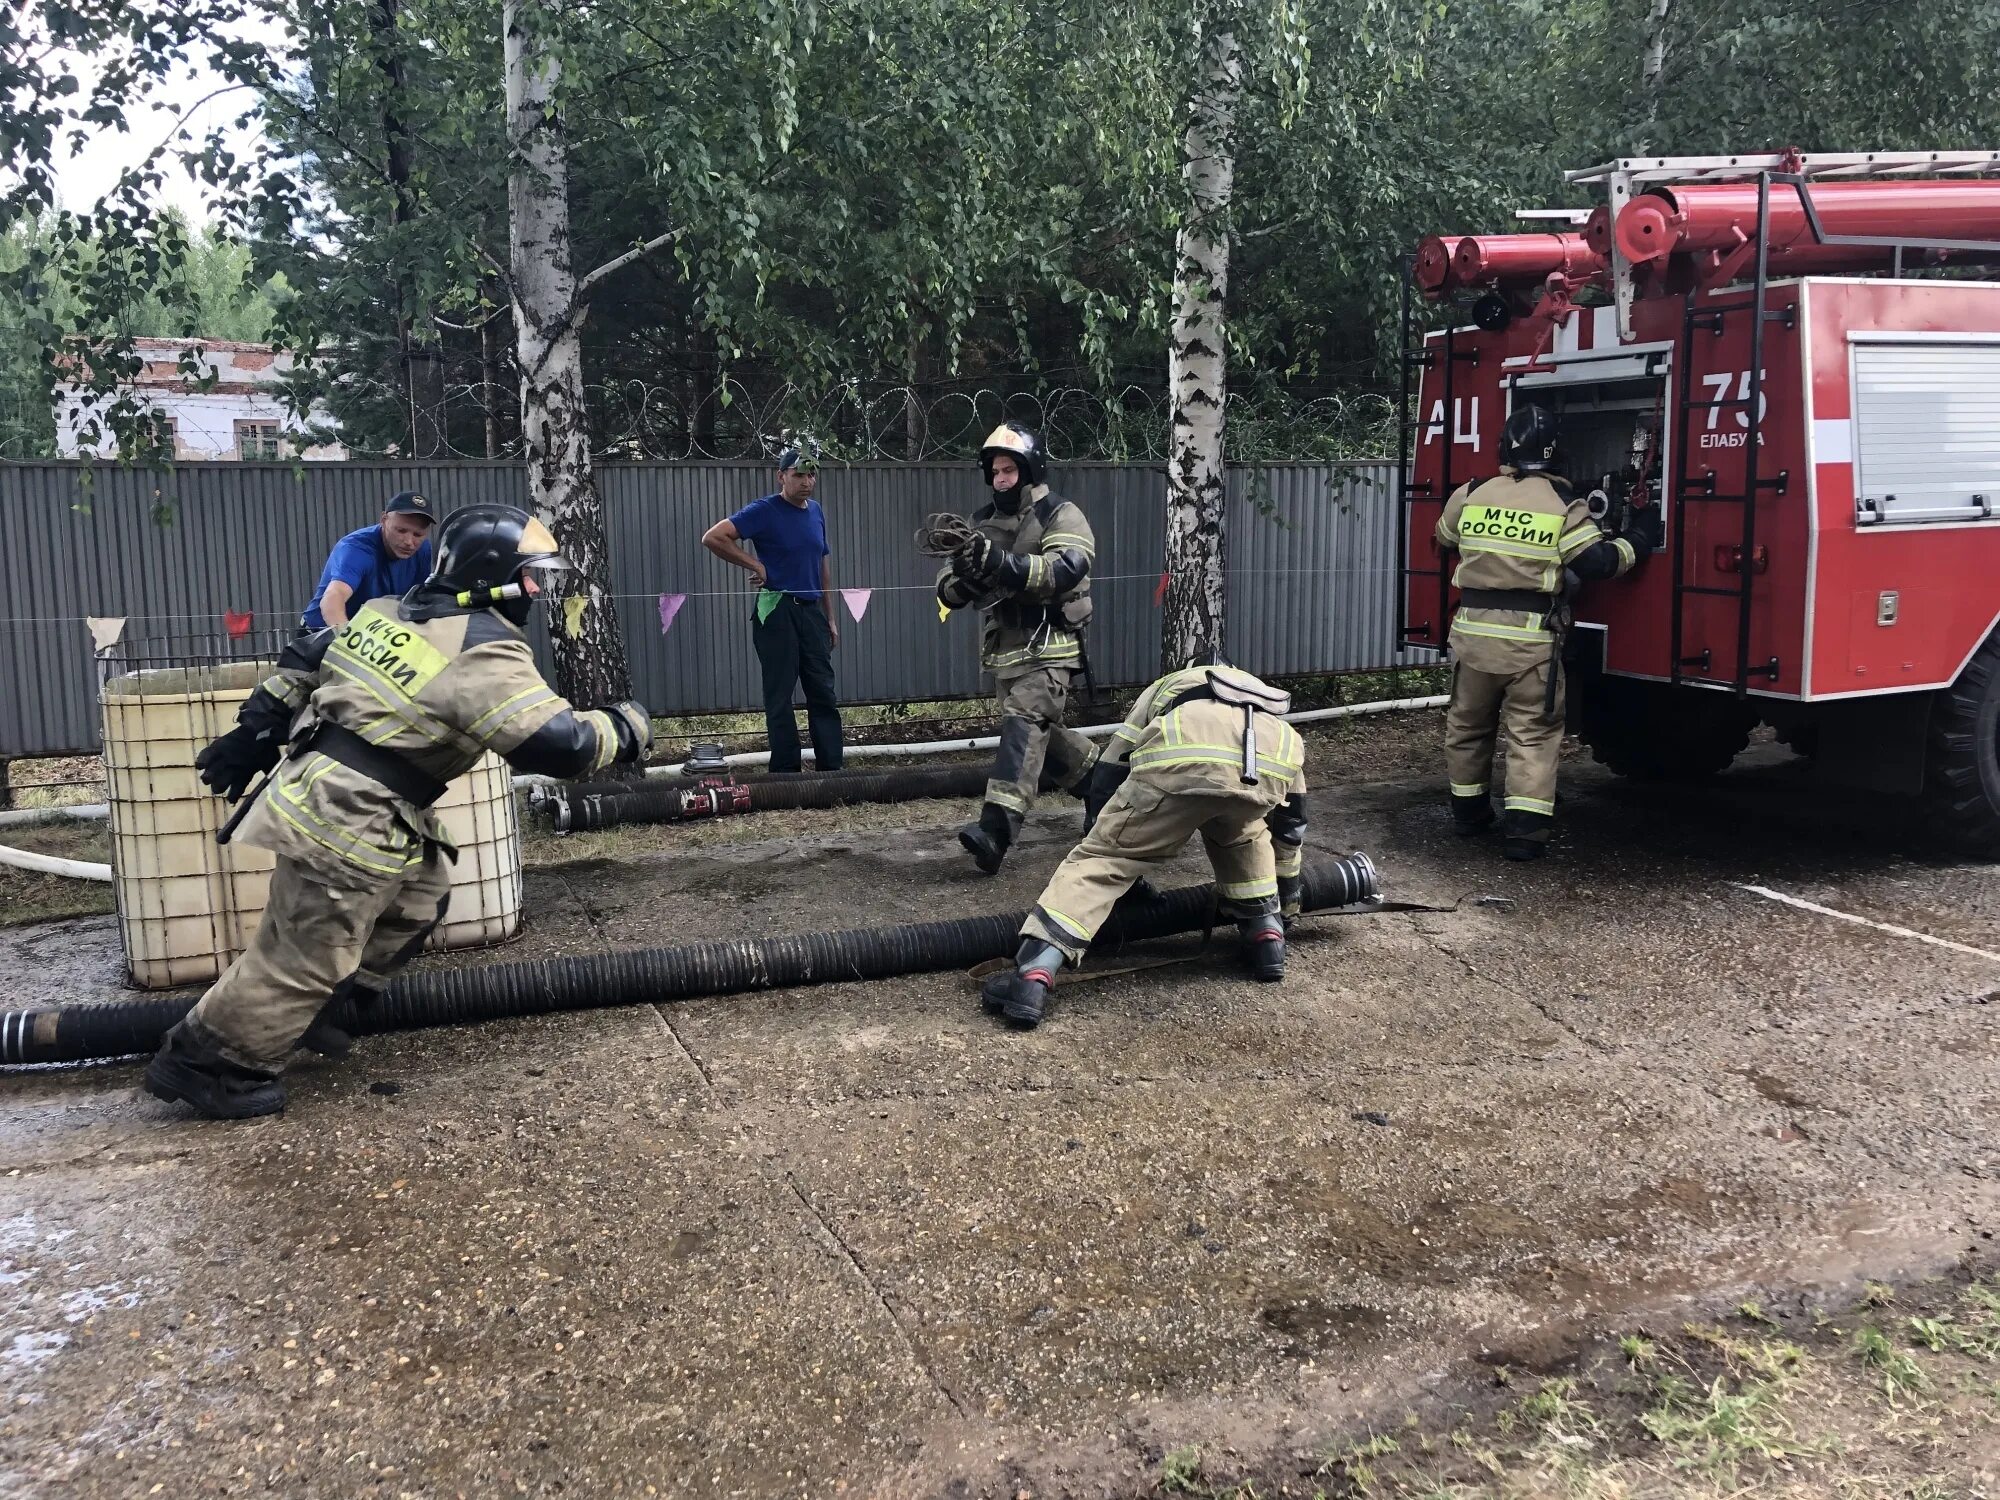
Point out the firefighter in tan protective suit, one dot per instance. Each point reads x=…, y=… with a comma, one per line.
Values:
x=1027, y=569
x=1515, y=536
x=1203, y=751
x=373, y=719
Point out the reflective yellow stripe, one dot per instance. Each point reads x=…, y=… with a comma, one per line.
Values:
x=349, y=848
x=1249, y=889
x=1493, y=526
x=1002, y=794
x=1162, y=759
x=1589, y=533
x=1627, y=551
x=1463, y=626
x=1462, y=789
x=1069, y=924
x=508, y=711
x=1513, y=549
x=1291, y=858
x=1069, y=539
x=1530, y=804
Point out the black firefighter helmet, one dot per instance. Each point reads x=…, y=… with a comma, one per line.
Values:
x=493, y=556
x=1012, y=440
x=1528, y=441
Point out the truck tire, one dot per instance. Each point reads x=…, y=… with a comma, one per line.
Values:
x=1962, y=753
x=1653, y=732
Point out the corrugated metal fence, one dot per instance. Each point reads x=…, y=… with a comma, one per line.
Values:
x=1312, y=570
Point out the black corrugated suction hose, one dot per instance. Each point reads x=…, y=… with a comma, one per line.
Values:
x=453, y=997
x=576, y=809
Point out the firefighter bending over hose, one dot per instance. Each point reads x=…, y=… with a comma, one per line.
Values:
x=389, y=709
x=1025, y=565
x=1515, y=536
x=1203, y=751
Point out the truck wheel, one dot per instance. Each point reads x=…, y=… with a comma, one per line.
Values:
x=1652, y=732
x=1962, y=754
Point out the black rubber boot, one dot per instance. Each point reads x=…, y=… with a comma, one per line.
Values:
x=988, y=840
x=1471, y=815
x=325, y=1036
x=1263, y=946
x=1022, y=993
x=1525, y=835
x=189, y=1069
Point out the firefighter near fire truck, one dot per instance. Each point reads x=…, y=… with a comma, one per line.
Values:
x=1758, y=345
x=1204, y=751
x=1023, y=561
x=1520, y=537
x=357, y=733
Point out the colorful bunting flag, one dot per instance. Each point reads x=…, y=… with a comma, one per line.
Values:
x=238, y=625
x=944, y=613
x=105, y=630
x=1160, y=593
x=573, y=608
x=670, y=605
x=856, y=601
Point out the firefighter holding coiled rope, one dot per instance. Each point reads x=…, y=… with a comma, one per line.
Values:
x=358, y=732
x=1023, y=561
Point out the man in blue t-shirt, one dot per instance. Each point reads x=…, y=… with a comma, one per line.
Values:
x=793, y=628
x=387, y=559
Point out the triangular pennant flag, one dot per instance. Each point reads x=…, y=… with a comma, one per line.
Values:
x=105, y=630
x=856, y=601
x=573, y=608
x=237, y=625
x=944, y=611
x=1160, y=593
x=670, y=605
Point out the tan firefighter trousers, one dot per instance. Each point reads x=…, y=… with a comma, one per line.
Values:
x=1143, y=826
x=1031, y=731
x=1482, y=705
x=315, y=935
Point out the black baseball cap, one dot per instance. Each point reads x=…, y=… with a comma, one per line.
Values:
x=410, y=503
x=806, y=462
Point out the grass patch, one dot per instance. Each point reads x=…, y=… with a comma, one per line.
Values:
x=26, y=896
x=1853, y=1406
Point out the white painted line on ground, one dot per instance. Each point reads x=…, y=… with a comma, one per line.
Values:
x=1889, y=927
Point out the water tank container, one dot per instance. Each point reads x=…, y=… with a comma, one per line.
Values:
x=186, y=905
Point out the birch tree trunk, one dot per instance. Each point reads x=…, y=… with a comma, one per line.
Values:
x=548, y=317
x=1196, y=382
x=1654, y=68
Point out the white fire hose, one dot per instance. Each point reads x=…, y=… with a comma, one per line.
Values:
x=82, y=869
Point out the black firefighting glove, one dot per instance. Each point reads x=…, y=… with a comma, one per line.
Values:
x=1009, y=571
x=1646, y=531
x=229, y=764
x=635, y=729
x=974, y=561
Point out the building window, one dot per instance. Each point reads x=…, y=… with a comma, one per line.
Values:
x=255, y=440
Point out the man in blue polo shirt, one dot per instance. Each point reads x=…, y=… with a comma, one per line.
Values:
x=387, y=559
x=794, y=628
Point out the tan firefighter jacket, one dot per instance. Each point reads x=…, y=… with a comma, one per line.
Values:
x=1041, y=625
x=1185, y=735
x=440, y=693
x=1516, y=533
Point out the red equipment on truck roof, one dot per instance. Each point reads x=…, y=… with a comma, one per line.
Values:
x=1824, y=440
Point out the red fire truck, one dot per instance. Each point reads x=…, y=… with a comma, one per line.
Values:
x=1792, y=356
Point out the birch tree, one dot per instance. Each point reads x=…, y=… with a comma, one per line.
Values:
x=549, y=308
x=1197, y=377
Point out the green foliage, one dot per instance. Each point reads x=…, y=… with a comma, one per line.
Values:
x=973, y=204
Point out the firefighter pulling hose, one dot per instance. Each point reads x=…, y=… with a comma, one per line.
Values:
x=357, y=735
